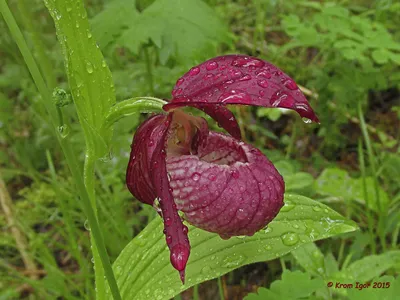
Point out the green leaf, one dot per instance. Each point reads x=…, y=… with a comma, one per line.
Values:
x=337, y=183
x=371, y=266
x=113, y=20
x=187, y=29
x=389, y=289
x=143, y=269
x=294, y=285
x=310, y=258
x=89, y=78
x=298, y=181
x=381, y=56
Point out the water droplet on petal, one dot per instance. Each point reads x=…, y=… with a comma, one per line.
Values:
x=168, y=221
x=212, y=177
x=169, y=239
x=245, y=78
x=241, y=214
x=196, y=176
x=290, y=84
x=212, y=65
x=179, y=81
x=194, y=71
x=176, y=92
x=290, y=238
x=263, y=83
x=235, y=174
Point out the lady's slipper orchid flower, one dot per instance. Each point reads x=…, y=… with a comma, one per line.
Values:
x=218, y=182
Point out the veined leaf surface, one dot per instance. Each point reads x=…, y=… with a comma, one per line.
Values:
x=89, y=78
x=143, y=270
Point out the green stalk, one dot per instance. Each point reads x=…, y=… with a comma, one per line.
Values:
x=369, y=215
x=88, y=178
x=65, y=145
x=45, y=63
x=371, y=159
x=71, y=233
x=220, y=288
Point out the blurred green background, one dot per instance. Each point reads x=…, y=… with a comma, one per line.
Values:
x=345, y=55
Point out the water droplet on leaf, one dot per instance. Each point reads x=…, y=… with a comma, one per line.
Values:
x=290, y=238
x=306, y=120
x=89, y=67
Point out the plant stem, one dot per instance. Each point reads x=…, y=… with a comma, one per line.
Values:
x=366, y=198
x=381, y=210
x=220, y=289
x=65, y=145
x=88, y=178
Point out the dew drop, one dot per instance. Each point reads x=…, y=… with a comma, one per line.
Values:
x=63, y=131
x=194, y=71
x=176, y=92
x=168, y=221
x=261, y=93
x=268, y=247
x=306, y=120
x=212, y=177
x=89, y=67
x=287, y=207
x=89, y=35
x=241, y=214
x=196, y=176
x=235, y=174
x=86, y=225
x=206, y=270
x=290, y=238
x=169, y=239
x=245, y=78
x=180, y=81
x=290, y=84
x=263, y=83
x=316, y=208
x=268, y=230
x=212, y=65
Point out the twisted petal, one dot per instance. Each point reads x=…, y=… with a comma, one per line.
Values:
x=229, y=187
x=239, y=79
x=147, y=180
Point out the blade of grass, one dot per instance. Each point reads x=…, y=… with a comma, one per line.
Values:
x=65, y=145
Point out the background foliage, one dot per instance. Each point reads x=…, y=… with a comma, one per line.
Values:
x=346, y=55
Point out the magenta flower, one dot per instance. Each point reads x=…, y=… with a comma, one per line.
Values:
x=218, y=182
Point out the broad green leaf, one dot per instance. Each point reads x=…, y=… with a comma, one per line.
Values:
x=187, y=29
x=386, y=288
x=298, y=181
x=371, y=266
x=310, y=258
x=89, y=78
x=337, y=183
x=143, y=269
x=113, y=20
x=294, y=285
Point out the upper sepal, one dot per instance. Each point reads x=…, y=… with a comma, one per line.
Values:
x=239, y=79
